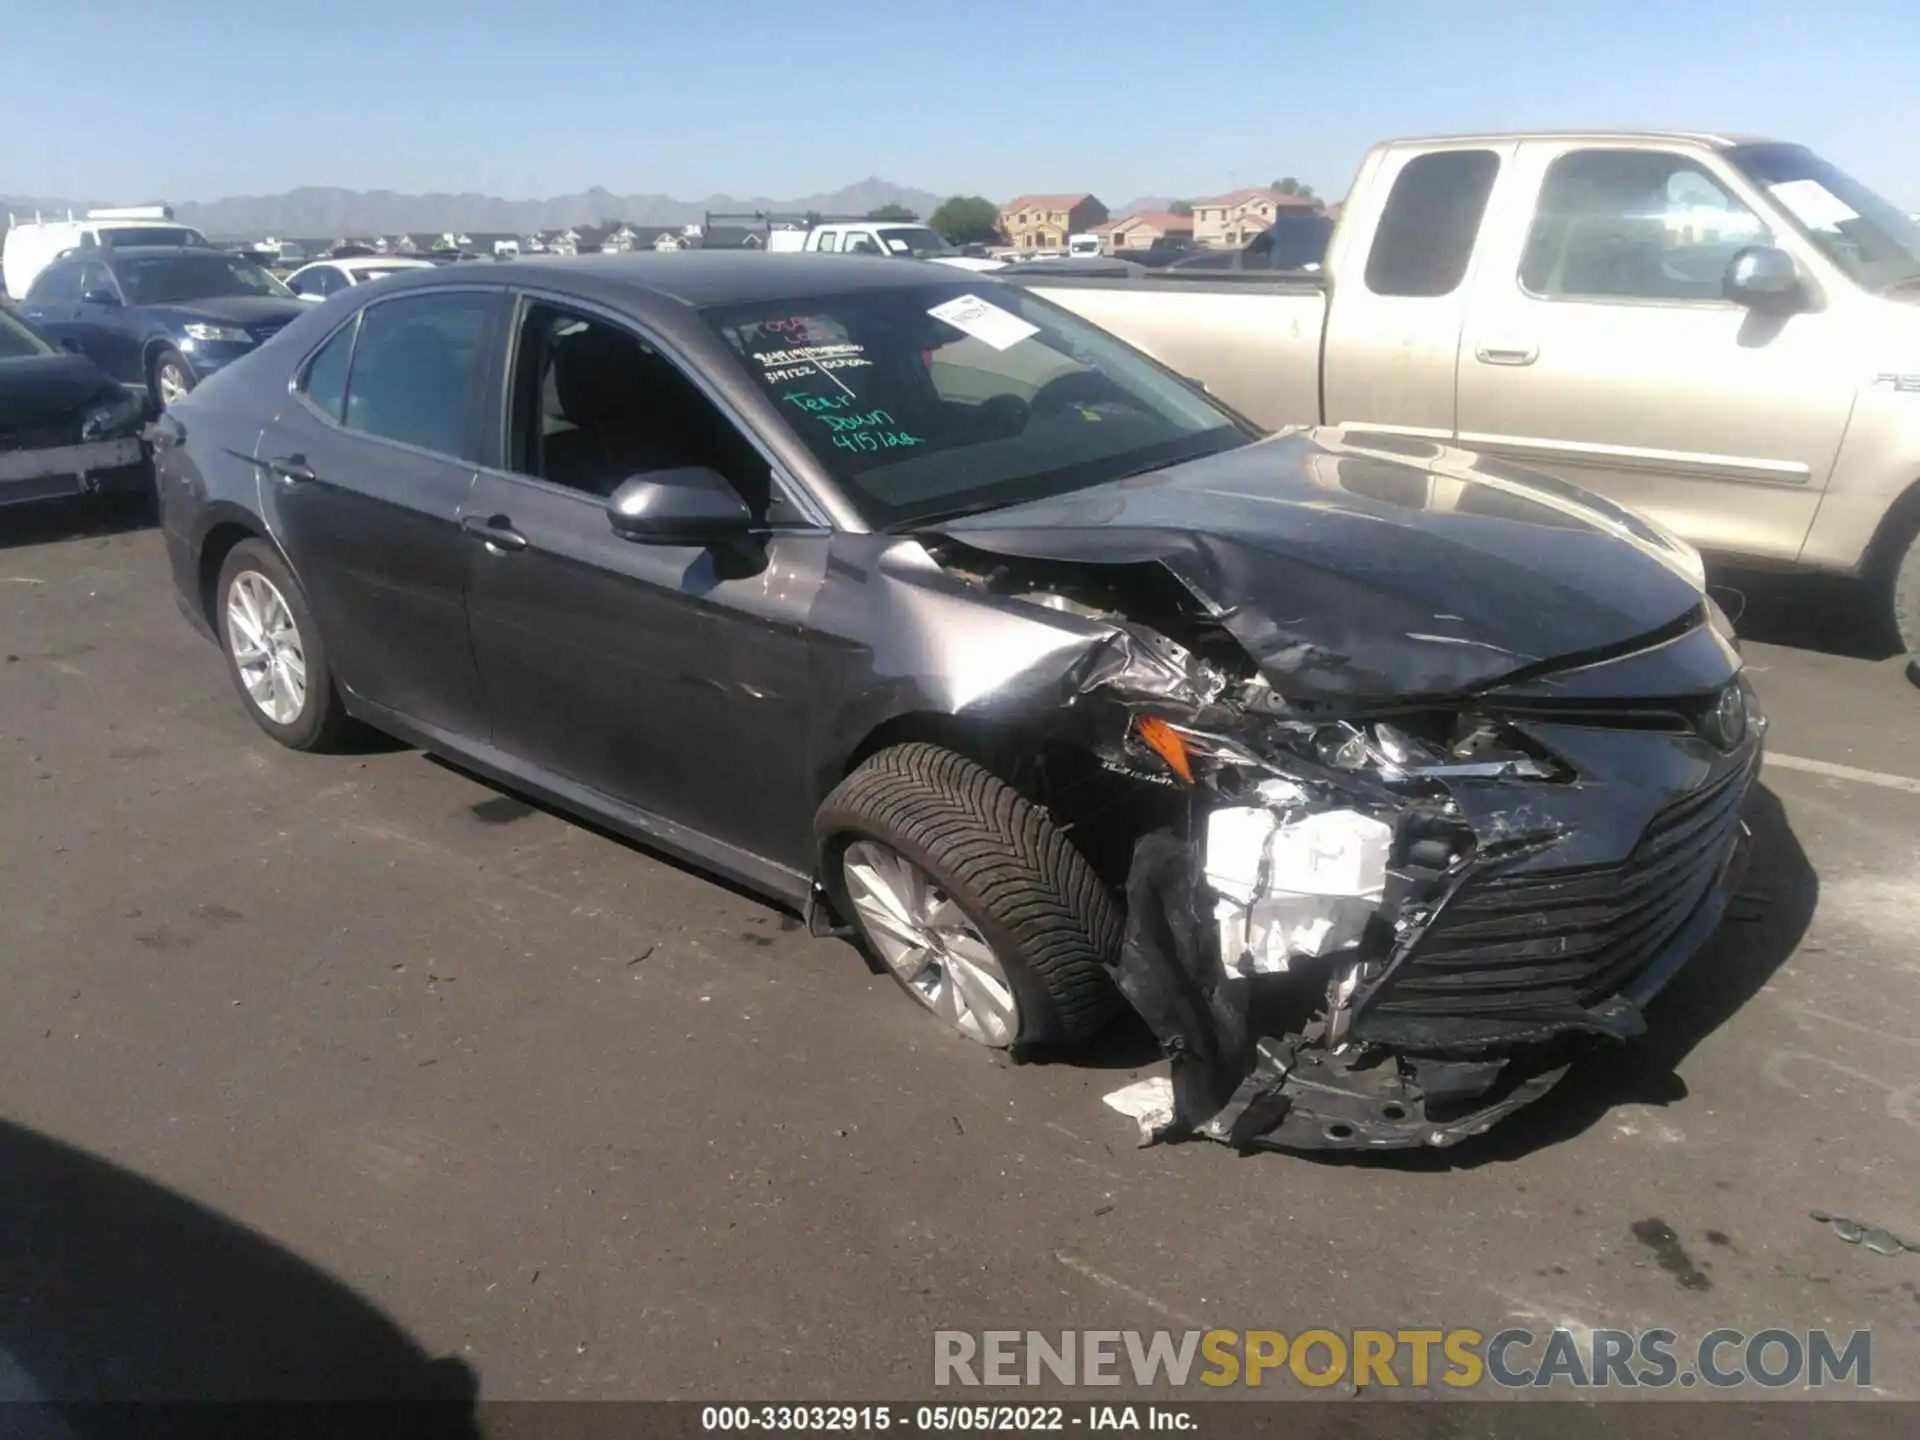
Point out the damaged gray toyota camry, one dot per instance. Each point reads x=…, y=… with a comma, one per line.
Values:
x=921, y=605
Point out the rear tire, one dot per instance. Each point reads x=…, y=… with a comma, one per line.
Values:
x=1013, y=873
x=275, y=655
x=1906, y=604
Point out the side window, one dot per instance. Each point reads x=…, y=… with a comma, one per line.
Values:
x=1634, y=225
x=829, y=242
x=94, y=280
x=56, y=285
x=418, y=369
x=1429, y=224
x=593, y=406
x=320, y=282
x=861, y=243
x=325, y=382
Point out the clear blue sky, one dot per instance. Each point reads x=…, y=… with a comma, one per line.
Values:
x=529, y=98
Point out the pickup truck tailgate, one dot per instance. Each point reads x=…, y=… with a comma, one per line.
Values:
x=1256, y=348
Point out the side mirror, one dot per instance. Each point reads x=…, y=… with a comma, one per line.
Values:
x=1762, y=278
x=100, y=297
x=690, y=506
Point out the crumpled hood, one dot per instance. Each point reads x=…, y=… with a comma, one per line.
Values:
x=232, y=309
x=1368, y=566
x=41, y=391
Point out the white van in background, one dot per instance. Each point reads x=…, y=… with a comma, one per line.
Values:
x=1083, y=247
x=32, y=245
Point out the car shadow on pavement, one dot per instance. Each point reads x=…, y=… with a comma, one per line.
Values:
x=1763, y=926
x=126, y=1309
x=47, y=522
x=1830, y=613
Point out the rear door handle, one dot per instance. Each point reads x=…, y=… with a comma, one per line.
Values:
x=496, y=530
x=291, y=468
x=1507, y=354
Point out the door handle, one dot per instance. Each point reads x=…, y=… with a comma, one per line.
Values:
x=1507, y=354
x=291, y=468
x=496, y=530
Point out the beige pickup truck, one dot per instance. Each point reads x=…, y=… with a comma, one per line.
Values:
x=1721, y=332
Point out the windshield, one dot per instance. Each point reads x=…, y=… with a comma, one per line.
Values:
x=125, y=235
x=917, y=241
x=164, y=279
x=17, y=342
x=1865, y=236
x=930, y=401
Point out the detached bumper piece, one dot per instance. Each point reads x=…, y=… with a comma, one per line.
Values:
x=49, y=472
x=1461, y=1008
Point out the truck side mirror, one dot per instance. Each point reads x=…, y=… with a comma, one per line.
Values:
x=1762, y=277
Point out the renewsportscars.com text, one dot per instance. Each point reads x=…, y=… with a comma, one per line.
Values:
x=1415, y=1359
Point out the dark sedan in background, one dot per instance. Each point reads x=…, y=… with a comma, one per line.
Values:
x=65, y=428
x=928, y=608
x=158, y=319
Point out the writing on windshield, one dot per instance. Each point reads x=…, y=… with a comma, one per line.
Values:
x=924, y=401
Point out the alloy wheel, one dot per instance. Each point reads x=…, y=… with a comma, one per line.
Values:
x=928, y=942
x=171, y=381
x=266, y=647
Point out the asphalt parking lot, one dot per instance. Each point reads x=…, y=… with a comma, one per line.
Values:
x=453, y=1082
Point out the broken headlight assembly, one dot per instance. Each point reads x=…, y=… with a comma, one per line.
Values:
x=1427, y=747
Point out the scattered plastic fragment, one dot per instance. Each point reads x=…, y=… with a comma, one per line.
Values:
x=1873, y=1237
x=1149, y=1102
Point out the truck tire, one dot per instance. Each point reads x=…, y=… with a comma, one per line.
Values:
x=257, y=584
x=1906, y=604
x=992, y=870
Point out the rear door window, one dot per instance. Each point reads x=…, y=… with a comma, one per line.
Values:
x=1431, y=219
x=419, y=370
x=56, y=286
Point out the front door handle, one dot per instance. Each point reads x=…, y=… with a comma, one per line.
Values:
x=1507, y=354
x=291, y=468
x=496, y=530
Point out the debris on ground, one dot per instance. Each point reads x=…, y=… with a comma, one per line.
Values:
x=1150, y=1104
x=1858, y=1232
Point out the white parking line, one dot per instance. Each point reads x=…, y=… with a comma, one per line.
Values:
x=1845, y=772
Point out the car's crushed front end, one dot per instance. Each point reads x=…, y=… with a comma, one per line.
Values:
x=66, y=429
x=1445, y=854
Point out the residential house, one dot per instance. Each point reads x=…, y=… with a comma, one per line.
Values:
x=1043, y=222
x=619, y=240
x=1231, y=220
x=1139, y=232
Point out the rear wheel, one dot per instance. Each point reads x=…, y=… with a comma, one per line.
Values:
x=1906, y=604
x=971, y=898
x=274, y=650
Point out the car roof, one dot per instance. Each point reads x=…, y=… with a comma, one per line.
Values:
x=697, y=278
x=135, y=252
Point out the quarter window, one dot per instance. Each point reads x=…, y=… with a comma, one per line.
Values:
x=56, y=285
x=417, y=371
x=1634, y=225
x=1429, y=224
x=325, y=383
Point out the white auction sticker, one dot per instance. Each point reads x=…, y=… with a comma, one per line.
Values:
x=989, y=324
x=1813, y=205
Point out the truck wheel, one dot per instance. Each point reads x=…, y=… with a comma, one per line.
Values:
x=170, y=379
x=1906, y=604
x=971, y=898
x=274, y=651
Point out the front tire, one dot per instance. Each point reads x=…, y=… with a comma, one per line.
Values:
x=274, y=651
x=994, y=921
x=169, y=380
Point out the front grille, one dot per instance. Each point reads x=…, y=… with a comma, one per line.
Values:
x=1552, y=942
